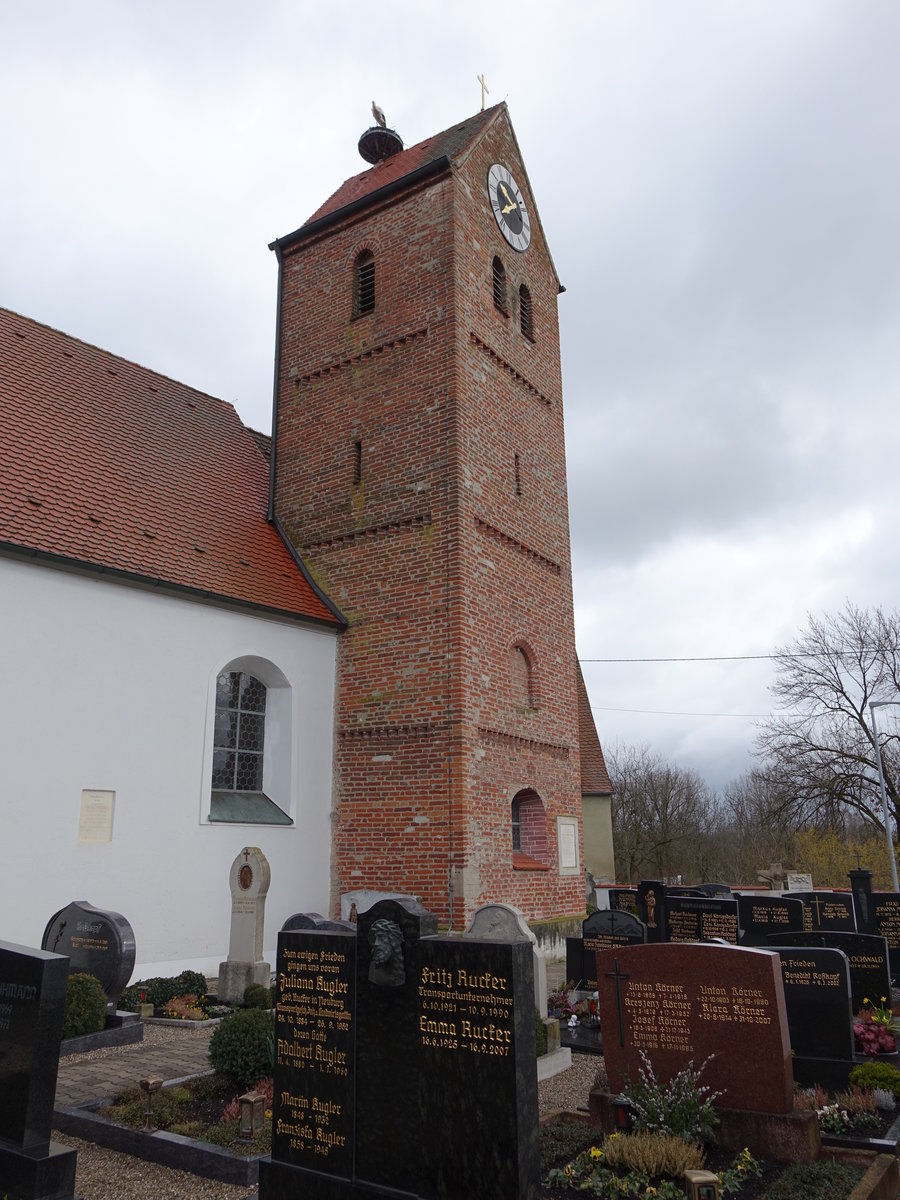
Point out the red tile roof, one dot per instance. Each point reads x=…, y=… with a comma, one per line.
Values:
x=105, y=463
x=594, y=776
x=452, y=142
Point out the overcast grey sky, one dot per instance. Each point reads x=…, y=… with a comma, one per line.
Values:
x=718, y=181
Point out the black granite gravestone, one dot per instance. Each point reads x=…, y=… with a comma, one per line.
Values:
x=97, y=942
x=761, y=916
x=867, y=957
x=861, y=891
x=477, y=1075
x=651, y=908
x=32, y=1005
x=623, y=899
x=314, y=1074
x=886, y=921
x=827, y=910
x=608, y=927
x=820, y=1015
x=698, y=919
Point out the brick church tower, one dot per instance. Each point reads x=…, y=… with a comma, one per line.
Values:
x=419, y=469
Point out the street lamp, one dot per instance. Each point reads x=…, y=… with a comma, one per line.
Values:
x=873, y=704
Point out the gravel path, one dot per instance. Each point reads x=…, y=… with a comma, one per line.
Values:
x=106, y=1175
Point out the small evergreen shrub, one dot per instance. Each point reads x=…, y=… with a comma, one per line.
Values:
x=822, y=1180
x=240, y=1046
x=877, y=1075
x=256, y=995
x=159, y=990
x=85, y=1006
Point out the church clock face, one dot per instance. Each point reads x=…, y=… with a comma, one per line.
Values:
x=509, y=208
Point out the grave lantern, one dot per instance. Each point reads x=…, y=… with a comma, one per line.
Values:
x=701, y=1185
x=252, y=1114
x=149, y=1086
x=622, y=1113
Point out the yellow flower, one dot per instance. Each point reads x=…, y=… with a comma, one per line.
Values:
x=865, y=999
x=596, y=1152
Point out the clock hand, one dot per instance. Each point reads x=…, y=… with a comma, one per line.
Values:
x=505, y=192
x=509, y=208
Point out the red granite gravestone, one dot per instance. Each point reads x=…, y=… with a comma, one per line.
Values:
x=683, y=1003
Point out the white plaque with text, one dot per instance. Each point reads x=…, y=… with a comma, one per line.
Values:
x=96, y=820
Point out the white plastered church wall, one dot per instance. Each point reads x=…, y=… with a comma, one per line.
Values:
x=110, y=687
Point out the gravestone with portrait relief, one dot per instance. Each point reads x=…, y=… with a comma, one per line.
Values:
x=95, y=941
x=248, y=881
x=32, y=1006
x=405, y=1064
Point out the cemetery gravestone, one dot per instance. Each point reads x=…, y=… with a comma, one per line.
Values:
x=867, y=959
x=861, y=891
x=600, y=931
x=694, y=919
x=684, y=1003
x=623, y=899
x=827, y=911
x=95, y=941
x=504, y=923
x=817, y=995
x=248, y=880
x=32, y=1005
x=886, y=922
x=409, y=1072
x=762, y=916
x=315, y=921
x=651, y=908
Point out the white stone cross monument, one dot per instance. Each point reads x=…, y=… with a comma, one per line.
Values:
x=249, y=880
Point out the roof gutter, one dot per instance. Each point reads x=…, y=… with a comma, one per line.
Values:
x=273, y=450
x=435, y=167
x=78, y=566
x=304, y=570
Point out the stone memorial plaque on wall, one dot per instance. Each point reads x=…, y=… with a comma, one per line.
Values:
x=312, y=1119
x=696, y=919
x=762, y=916
x=686, y=1002
x=96, y=941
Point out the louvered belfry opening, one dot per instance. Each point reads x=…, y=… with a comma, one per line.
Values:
x=499, y=275
x=526, y=314
x=364, y=291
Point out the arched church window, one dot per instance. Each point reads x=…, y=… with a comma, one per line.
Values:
x=250, y=750
x=520, y=674
x=240, y=731
x=499, y=281
x=526, y=313
x=529, y=829
x=364, y=284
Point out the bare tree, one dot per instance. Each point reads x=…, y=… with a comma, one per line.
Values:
x=658, y=814
x=821, y=747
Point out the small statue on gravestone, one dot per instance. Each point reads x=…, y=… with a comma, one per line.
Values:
x=386, y=967
x=651, y=909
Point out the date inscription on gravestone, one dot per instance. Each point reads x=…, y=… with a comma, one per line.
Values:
x=314, y=1051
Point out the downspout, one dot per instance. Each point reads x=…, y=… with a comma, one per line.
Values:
x=273, y=452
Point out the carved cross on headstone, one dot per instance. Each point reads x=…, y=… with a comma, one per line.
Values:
x=618, y=976
x=816, y=904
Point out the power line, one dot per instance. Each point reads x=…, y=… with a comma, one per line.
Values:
x=661, y=712
x=704, y=658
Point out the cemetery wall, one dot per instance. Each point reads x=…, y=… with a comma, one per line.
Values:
x=77, y=719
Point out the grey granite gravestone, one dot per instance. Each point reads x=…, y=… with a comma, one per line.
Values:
x=248, y=880
x=96, y=941
x=505, y=923
x=32, y=1006
x=315, y=921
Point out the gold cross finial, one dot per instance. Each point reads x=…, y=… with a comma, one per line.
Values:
x=484, y=89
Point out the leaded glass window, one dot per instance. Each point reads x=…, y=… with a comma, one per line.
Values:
x=239, y=737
